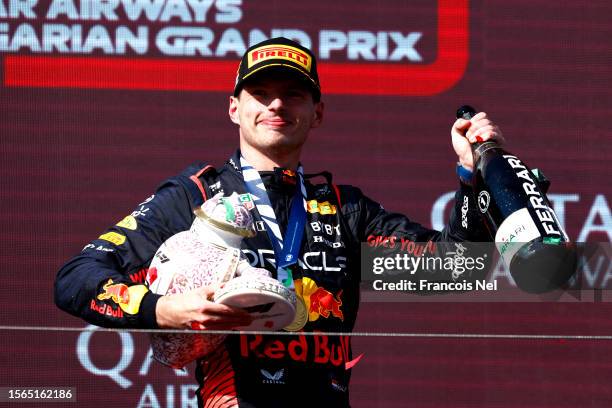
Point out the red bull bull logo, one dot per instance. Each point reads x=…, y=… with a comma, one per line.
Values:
x=117, y=292
x=324, y=302
x=319, y=301
x=127, y=297
x=289, y=177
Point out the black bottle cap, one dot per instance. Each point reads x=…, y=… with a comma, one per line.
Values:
x=466, y=112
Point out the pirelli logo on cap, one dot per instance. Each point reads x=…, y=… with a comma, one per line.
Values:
x=285, y=52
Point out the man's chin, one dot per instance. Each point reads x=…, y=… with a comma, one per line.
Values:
x=281, y=139
x=282, y=146
x=277, y=132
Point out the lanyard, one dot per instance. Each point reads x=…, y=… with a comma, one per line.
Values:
x=286, y=255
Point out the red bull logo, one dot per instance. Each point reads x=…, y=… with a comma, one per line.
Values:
x=319, y=349
x=289, y=177
x=127, y=297
x=117, y=292
x=105, y=309
x=319, y=301
x=324, y=302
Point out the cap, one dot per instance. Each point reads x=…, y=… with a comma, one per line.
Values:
x=280, y=53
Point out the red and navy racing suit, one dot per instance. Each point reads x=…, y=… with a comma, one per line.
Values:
x=104, y=284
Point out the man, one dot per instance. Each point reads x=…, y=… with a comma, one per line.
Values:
x=276, y=102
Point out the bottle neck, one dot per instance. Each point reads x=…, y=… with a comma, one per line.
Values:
x=478, y=149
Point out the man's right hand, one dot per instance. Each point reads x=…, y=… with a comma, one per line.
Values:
x=181, y=310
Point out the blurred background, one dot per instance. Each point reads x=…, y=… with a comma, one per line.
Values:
x=100, y=101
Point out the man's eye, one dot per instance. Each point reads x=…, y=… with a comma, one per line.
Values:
x=296, y=94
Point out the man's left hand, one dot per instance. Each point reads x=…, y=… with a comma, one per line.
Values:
x=466, y=132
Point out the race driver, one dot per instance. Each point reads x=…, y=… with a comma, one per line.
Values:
x=275, y=104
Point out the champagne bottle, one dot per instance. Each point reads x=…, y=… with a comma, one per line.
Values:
x=517, y=213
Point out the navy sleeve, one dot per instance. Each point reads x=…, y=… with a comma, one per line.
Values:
x=367, y=217
x=368, y=220
x=105, y=283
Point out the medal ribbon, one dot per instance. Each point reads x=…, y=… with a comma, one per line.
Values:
x=285, y=255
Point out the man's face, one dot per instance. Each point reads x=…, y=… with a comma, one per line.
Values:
x=275, y=112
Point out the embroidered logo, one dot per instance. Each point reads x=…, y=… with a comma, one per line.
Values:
x=276, y=378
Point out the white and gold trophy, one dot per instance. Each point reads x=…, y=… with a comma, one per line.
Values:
x=208, y=254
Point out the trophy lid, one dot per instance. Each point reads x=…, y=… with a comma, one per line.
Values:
x=229, y=214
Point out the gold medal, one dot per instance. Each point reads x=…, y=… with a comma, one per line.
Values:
x=301, y=316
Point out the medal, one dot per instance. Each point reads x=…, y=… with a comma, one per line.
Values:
x=301, y=316
x=286, y=250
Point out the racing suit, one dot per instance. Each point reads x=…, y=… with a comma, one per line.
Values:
x=104, y=284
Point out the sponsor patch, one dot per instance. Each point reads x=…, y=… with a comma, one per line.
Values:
x=464, y=211
x=283, y=52
x=140, y=212
x=323, y=240
x=128, y=222
x=117, y=292
x=105, y=309
x=318, y=349
x=127, y=297
x=99, y=248
x=324, y=208
x=140, y=275
x=273, y=378
x=215, y=188
x=338, y=386
x=289, y=177
x=483, y=201
x=113, y=238
x=319, y=301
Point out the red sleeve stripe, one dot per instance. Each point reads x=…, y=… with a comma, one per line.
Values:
x=196, y=180
x=337, y=194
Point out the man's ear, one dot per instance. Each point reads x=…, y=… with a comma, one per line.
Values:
x=318, y=114
x=233, y=109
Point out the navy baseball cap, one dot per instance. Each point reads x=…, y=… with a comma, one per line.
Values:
x=279, y=53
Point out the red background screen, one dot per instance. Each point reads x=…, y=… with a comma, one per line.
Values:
x=88, y=130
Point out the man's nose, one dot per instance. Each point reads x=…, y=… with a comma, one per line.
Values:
x=276, y=103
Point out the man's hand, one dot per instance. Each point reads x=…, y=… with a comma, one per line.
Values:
x=194, y=310
x=477, y=129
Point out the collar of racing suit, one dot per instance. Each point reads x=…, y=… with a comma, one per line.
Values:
x=280, y=185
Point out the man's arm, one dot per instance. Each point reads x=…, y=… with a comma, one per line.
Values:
x=366, y=218
x=369, y=217
x=105, y=283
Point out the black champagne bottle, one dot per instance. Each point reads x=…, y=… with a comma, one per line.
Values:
x=519, y=216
